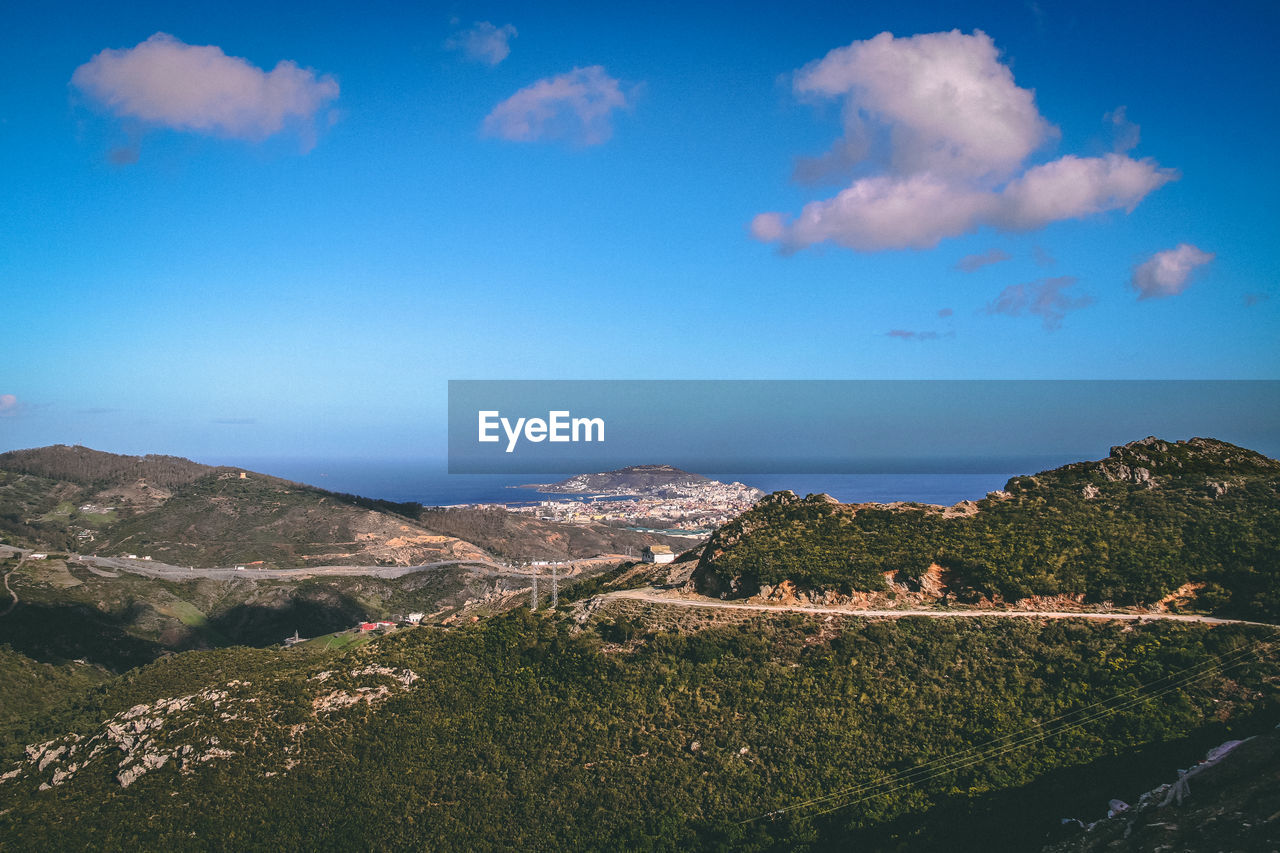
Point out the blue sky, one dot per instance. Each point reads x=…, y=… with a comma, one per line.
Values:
x=210, y=255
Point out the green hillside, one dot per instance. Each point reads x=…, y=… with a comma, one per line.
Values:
x=529, y=732
x=1130, y=529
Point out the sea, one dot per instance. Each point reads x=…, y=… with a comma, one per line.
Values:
x=429, y=482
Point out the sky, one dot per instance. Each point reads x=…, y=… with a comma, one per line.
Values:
x=244, y=230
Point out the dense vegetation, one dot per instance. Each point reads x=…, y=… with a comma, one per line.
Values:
x=100, y=470
x=525, y=732
x=1130, y=529
x=30, y=686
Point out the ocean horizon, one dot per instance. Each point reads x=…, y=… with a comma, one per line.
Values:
x=429, y=483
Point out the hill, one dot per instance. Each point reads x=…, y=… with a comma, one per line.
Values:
x=1162, y=524
x=79, y=500
x=99, y=470
x=538, y=731
x=86, y=501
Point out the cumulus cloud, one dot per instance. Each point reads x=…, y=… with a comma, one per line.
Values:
x=942, y=135
x=8, y=405
x=950, y=106
x=1043, y=298
x=881, y=213
x=972, y=263
x=1074, y=187
x=1168, y=273
x=166, y=82
x=484, y=42
x=577, y=107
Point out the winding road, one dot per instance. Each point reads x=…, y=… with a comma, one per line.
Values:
x=9, y=589
x=156, y=569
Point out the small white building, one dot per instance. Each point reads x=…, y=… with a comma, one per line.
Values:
x=415, y=618
x=657, y=554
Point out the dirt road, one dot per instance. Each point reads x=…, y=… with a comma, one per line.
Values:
x=656, y=596
x=9, y=589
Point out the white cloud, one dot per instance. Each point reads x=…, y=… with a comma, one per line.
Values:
x=1074, y=187
x=950, y=105
x=945, y=133
x=8, y=405
x=883, y=212
x=165, y=82
x=1168, y=273
x=1043, y=298
x=577, y=106
x=484, y=42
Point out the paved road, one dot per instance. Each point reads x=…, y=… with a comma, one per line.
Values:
x=156, y=569
x=656, y=596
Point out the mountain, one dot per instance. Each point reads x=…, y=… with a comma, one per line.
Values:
x=641, y=480
x=85, y=501
x=177, y=511
x=618, y=722
x=1191, y=523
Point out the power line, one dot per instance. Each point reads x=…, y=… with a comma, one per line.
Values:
x=1025, y=737
x=992, y=749
x=906, y=782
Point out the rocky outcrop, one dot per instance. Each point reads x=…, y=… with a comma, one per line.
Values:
x=1228, y=801
x=178, y=731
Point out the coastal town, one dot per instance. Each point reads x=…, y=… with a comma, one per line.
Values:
x=657, y=498
x=692, y=515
